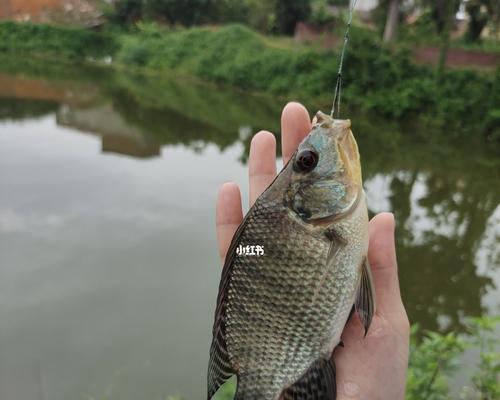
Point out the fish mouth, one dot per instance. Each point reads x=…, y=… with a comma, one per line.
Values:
x=347, y=148
x=327, y=121
x=345, y=124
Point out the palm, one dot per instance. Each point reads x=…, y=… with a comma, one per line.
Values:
x=375, y=364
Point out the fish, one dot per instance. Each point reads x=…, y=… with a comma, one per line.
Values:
x=280, y=312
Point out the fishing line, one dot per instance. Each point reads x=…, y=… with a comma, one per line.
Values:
x=338, y=86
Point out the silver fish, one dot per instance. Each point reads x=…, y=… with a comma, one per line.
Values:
x=280, y=314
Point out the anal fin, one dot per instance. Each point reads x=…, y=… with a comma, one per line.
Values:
x=318, y=383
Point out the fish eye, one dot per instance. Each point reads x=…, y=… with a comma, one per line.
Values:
x=305, y=161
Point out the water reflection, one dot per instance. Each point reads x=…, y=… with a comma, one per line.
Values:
x=445, y=197
x=116, y=134
x=441, y=222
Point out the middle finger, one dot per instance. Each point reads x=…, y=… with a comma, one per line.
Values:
x=261, y=163
x=295, y=125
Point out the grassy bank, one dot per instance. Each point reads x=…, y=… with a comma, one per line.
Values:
x=377, y=79
x=52, y=41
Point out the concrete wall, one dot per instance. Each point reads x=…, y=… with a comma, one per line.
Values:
x=365, y=5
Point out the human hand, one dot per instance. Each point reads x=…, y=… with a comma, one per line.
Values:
x=371, y=367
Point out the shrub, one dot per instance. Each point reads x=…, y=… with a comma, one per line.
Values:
x=376, y=78
x=74, y=43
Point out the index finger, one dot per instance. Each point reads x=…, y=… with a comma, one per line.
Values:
x=295, y=125
x=228, y=216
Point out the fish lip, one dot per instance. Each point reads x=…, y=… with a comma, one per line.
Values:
x=327, y=121
x=345, y=127
x=346, y=123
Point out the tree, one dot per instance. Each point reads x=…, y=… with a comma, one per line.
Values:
x=449, y=9
x=233, y=11
x=392, y=22
x=440, y=12
x=184, y=12
x=125, y=12
x=260, y=14
x=479, y=14
x=443, y=13
x=288, y=13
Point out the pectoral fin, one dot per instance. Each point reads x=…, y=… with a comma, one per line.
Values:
x=365, y=298
x=336, y=243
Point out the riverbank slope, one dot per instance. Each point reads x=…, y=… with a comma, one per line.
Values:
x=377, y=79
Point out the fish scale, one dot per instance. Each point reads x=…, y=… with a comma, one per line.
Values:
x=280, y=317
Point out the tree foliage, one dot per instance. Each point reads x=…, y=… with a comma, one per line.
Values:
x=125, y=12
x=185, y=12
x=481, y=12
x=278, y=16
x=440, y=11
x=288, y=13
x=434, y=357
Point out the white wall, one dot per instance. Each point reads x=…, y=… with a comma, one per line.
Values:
x=365, y=5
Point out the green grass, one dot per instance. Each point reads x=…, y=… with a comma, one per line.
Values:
x=487, y=45
x=48, y=40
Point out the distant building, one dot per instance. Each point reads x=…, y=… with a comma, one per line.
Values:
x=462, y=13
x=368, y=5
x=365, y=5
x=11, y=9
x=72, y=12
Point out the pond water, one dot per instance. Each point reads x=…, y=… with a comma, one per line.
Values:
x=108, y=262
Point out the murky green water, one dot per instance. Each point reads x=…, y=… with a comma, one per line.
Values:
x=108, y=265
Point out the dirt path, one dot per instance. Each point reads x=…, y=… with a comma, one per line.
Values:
x=457, y=57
